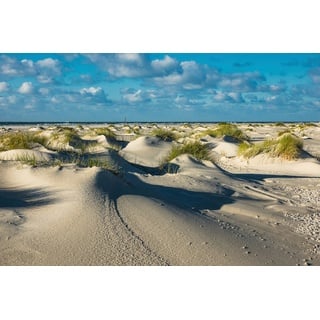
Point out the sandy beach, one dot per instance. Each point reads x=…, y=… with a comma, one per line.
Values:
x=110, y=195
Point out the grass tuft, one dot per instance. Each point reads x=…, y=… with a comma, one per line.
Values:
x=227, y=129
x=105, y=132
x=20, y=140
x=196, y=149
x=287, y=146
x=164, y=134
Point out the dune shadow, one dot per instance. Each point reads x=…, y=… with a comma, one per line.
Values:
x=24, y=198
x=257, y=177
x=178, y=197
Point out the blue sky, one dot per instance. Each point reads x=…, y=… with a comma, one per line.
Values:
x=159, y=87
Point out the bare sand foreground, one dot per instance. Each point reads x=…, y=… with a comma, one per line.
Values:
x=109, y=195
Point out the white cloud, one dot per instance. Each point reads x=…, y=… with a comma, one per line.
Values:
x=133, y=96
x=4, y=86
x=134, y=65
x=26, y=88
x=44, y=91
x=91, y=91
x=94, y=95
x=134, y=58
x=44, y=79
x=164, y=66
x=127, y=65
x=233, y=97
x=11, y=67
x=236, y=97
x=49, y=64
x=190, y=76
x=27, y=63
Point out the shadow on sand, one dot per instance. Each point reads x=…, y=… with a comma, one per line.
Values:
x=17, y=198
x=182, y=198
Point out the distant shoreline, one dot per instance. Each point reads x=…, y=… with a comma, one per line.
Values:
x=6, y=123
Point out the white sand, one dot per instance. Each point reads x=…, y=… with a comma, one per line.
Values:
x=258, y=212
x=146, y=151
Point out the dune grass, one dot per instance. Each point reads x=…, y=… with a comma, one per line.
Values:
x=164, y=134
x=73, y=158
x=28, y=159
x=227, y=129
x=279, y=124
x=196, y=149
x=287, y=146
x=105, y=132
x=20, y=140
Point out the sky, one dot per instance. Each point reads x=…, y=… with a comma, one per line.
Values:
x=159, y=87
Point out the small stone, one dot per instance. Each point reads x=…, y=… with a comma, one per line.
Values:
x=189, y=243
x=257, y=216
x=244, y=247
x=248, y=252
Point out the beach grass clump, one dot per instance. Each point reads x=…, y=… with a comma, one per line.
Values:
x=164, y=134
x=64, y=135
x=105, y=132
x=280, y=133
x=279, y=124
x=100, y=163
x=196, y=149
x=227, y=129
x=287, y=146
x=28, y=159
x=20, y=140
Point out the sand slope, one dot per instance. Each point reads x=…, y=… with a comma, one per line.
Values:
x=146, y=151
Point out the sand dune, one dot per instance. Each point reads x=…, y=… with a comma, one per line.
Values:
x=146, y=151
x=223, y=211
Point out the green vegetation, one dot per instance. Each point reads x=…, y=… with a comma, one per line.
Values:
x=227, y=129
x=20, y=140
x=163, y=134
x=279, y=124
x=286, y=146
x=94, y=162
x=196, y=149
x=65, y=135
x=105, y=132
x=28, y=159
x=280, y=133
x=73, y=158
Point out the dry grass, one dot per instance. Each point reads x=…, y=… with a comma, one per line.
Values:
x=286, y=146
x=196, y=149
x=227, y=129
x=164, y=134
x=20, y=140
